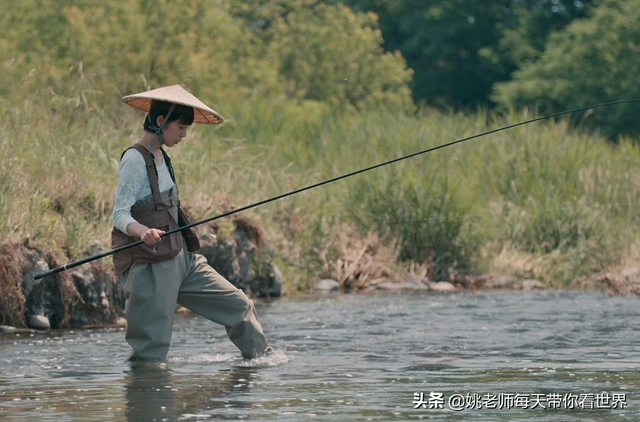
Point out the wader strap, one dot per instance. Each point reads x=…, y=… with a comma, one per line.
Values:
x=167, y=161
x=152, y=172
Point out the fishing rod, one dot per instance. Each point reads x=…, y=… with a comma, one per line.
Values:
x=74, y=264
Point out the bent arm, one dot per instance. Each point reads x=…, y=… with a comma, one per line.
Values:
x=131, y=177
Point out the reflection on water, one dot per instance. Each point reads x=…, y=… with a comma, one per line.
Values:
x=342, y=358
x=150, y=394
x=154, y=392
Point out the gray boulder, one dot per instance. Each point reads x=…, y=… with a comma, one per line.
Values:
x=39, y=322
x=67, y=299
x=501, y=282
x=242, y=257
x=443, y=286
x=407, y=285
x=327, y=286
x=6, y=329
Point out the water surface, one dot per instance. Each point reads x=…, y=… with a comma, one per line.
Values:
x=348, y=357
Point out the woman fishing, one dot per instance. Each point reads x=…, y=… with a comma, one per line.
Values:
x=164, y=272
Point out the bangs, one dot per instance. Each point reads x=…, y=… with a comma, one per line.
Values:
x=183, y=114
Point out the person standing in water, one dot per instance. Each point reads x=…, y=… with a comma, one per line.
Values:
x=166, y=272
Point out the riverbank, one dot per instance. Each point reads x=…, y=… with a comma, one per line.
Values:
x=92, y=295
x=541, y=202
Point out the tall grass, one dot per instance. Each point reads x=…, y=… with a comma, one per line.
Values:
x=566, y=202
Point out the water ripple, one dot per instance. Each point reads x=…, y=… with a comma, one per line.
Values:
x=344, y=358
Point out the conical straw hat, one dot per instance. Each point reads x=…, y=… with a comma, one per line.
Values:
x=178, y=95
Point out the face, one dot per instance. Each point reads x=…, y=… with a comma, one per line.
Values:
x=174, y=132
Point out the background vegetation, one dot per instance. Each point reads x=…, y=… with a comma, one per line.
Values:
x=315, y=89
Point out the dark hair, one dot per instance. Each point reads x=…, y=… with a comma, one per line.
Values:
x=160, y=108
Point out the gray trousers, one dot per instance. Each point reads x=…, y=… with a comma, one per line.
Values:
x=153, y=292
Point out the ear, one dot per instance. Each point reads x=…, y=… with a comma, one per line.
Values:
x=159, y=120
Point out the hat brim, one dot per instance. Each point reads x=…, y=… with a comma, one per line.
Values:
x=177, y=95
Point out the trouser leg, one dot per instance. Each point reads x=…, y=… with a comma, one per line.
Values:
x=210, y=295
x=152, y=290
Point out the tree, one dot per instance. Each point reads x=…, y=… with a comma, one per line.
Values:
x=327, y=52
x=442, y=40
x=593, y=60
x=230, y=50
x=459, y=49
x=524, y=34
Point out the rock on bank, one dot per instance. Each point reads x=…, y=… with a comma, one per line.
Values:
x=92, y=294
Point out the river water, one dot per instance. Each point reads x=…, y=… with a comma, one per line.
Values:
x=422, y=356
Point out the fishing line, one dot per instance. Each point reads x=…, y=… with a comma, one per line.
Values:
x=325, y=182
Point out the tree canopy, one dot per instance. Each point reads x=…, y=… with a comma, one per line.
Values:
x=593, y=60
x=219, y=49
x=460, y=54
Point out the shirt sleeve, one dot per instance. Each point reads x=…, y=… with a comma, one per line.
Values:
x=131, y=176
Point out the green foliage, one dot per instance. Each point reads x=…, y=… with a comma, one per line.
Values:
x=460, y=49
x=424, y=212
x=278, y=68
x=525, y=34
x=593, y=60
x=551, y=195
x=442, y=40
x=331, y=54
x=327, y=52
x=321, y=52
x=564, y=199
x=557, y=196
